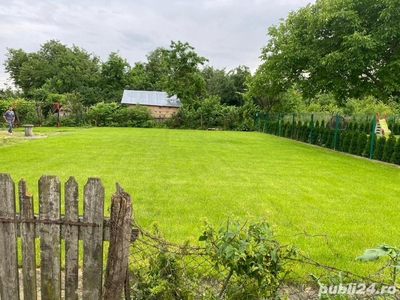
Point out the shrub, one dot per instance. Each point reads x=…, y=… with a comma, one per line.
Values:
x=354, y=142
x=305, y=133
x=395, y=159
x=324, y=137
x=396, y=128
x=330, y=139
x=367, y=149
x=346, y=138
x=361, y=128
x=380, y=145
x=361, y=143
x=298, y=127
x=255, y=259
x=110, y=114
x=27, y=113
x=288, y=130
x=389, y=148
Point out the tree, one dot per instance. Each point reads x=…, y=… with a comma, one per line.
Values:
x=183, y=76
x=13, y=65
x=156, y=69
x=238, y=78
x=56, y=69
x=218, y=83
x=114, y=77
x=263, y=90
x=229, y=86
x=137, y=78
x=347, y=47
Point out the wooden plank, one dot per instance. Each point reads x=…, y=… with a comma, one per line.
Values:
x=71, y=235
x=93, y=239
x=9, y=284
x=27, y=242
x=50, y=256
x=106, y=229
x=118, y=250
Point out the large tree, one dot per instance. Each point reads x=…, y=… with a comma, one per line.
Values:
x=183, y=77
x=229, y=86
x=347, y=47
x=263, y=90
x=156, y=69
x=114, y=77
x=54, y=68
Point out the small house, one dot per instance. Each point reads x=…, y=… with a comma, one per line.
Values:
x=159, y=103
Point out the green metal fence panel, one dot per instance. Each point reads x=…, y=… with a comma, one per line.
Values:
x=330, y=130
x=371, y=149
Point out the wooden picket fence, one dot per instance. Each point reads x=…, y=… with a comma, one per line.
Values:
x=19, y=232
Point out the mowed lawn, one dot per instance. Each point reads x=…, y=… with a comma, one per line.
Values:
x=331, y=205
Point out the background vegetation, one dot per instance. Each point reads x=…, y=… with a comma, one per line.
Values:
x=311, y=62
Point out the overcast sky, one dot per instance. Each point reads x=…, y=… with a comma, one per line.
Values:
x=229, y=33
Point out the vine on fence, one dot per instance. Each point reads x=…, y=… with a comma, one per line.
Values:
x=255, y=259
x=245, y=260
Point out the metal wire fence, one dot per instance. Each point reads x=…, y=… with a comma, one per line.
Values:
x=159, y=269
x=356, y=134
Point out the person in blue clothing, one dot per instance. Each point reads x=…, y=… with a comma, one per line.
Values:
x=9, y=117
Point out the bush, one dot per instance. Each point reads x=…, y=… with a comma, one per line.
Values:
x=255, y=259
x=367, y=149
x=161, y=279
x=305, y=133
x=396, y=129
x=110, y=114
x=354, y=142
x=330, y=140
x=345, y=138
x=395, y=159
x=361, y=143
x=389, y=148
x=27, y=112
x=380, y=145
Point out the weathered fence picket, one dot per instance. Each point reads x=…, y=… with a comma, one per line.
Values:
x=50, y=227
x=118, y=252
x=9, y=287
x=93, y=239
x=71, y=235
x=50, y=254
x=27, y=233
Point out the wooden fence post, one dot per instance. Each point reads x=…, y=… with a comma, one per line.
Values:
x=50, y=237
x=120, y=239
x=27, y=232
x=71, y=235
x=93, y=239
x=9, y=284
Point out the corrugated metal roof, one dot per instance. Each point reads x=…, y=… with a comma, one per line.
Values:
x=149, y=98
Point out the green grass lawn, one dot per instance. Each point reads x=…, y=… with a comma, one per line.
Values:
x=344, y=204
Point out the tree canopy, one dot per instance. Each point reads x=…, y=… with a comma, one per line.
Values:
x=349, y=48
x=55, y=68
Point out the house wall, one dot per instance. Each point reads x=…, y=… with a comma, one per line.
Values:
x=161, y=112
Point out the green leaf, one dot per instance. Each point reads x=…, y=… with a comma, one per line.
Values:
x=373, y=254
x=397, y=267
x=203, y=237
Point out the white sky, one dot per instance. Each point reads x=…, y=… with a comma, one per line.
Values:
x=229, y=33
